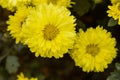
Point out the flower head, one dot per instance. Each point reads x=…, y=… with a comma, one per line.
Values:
x=9, y=4
x=114, y=12
x=49, y=31
x=94, y=49
x=16, y=22
x=12, y=4
x=22, y=77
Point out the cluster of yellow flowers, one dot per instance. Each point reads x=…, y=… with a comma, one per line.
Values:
x=48, y=29
x=45, y=24
x=22, y=77
x=114, y=10
x=13, y=4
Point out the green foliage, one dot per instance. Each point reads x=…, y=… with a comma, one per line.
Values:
x=1, y=77
x=117, y=65
x=97, y=1
x=41, y=77
x=112, y=22
x=80, y=24
x=81, y=7
x=116, y=74
x=12, y=64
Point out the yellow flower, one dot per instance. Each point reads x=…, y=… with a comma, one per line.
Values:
x=65, y=3
x=115, y=1
x=33, y=79
x=49, y=31
x=21, y=77
x=16, y=22
x=94, y=49
x=114, y=12
x=12, y=4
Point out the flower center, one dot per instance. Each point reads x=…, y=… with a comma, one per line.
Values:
x=50, y=32
x=92, y=49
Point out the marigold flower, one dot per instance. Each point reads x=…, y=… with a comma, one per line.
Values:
x=50, y=31
x=94, y=49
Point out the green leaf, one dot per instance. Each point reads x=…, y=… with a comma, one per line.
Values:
x=80, y=24
x=1, y=77
x=112, y=22
x=41, y=77
x=116, y=74
x=97, y=1
x=117, y=65
x=18, y=47
x=12, y=64
x=81, y=6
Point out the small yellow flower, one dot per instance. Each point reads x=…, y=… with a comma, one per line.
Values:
x=33, y=79
x=16, y=22
x=21, y=77
x=94, y=49
x=49, y=31
x=114, y=12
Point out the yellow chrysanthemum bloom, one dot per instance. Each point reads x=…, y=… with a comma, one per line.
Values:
x=12, y=4
x=94, y=49
x=115, y=1
x=16, y=22
x=22, y=77
x=50, y=31
x=114, y=12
